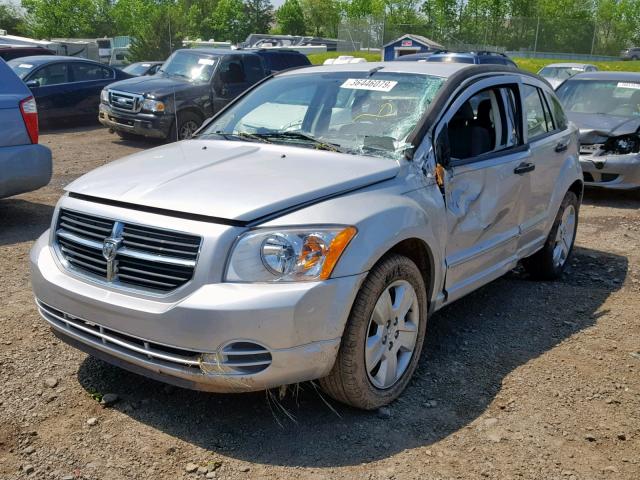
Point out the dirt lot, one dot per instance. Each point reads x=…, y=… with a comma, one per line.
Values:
x=521, y=380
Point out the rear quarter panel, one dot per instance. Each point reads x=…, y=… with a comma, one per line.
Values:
x=12, y=91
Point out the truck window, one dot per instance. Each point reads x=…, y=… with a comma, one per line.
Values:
x=232, y=71
x=253, y=68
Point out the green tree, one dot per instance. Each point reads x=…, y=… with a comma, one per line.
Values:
x=321, y=17
x=131, y=16
x=198, y=18
x=11, y=20
x=229, y=21
x=290, y=18
x=159, y=35
x=259, y=14
x=62, y=18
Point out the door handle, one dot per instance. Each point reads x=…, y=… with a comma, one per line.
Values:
x=562, y=147
x=524, y=168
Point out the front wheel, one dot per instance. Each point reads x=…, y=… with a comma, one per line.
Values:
x=549, y=262
x=383, y=338
x=184, y=126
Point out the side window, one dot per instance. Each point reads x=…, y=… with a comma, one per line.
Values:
x=52, y=74
x=232, y=71
x=483, y=124
x=537, y=114
x=83, y=72
x=559, y=116
x=252, y=68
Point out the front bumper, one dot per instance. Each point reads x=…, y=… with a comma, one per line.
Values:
x=24, y=168
x=186, y=341
x=621, y=172
x=143, y=124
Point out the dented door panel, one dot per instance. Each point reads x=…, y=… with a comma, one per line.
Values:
x=484, y=212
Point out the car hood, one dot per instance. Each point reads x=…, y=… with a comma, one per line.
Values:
x=231, y=180
x=597, y=128
x=155, y=85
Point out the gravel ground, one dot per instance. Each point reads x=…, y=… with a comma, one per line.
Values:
x=520, y=380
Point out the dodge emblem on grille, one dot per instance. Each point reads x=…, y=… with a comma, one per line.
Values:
x=109, y=250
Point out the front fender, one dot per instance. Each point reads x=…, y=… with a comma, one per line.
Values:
x=384, y=216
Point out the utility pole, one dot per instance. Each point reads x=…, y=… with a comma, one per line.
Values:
x=593, y=41
x=535, y=44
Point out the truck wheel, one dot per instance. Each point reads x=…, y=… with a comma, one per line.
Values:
x=185, y=126
x=549, y=262
x=383, y=338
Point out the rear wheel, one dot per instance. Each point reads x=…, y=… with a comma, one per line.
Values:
x=383, y=338
x=549, y=262
x=184, y=127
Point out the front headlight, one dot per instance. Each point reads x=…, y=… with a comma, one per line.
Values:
x=104, y=96
x=288, y=255
x=152, y=105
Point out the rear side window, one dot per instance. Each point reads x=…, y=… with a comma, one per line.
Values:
x=54, y=74
x=538, y=116
x=83, y=72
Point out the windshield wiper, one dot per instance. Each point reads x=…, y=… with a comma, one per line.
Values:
x=320, y=145
x=241, y=135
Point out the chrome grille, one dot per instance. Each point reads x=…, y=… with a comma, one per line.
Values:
x=125, y=101
x=143, y=257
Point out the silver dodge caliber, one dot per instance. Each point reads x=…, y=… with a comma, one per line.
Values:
x=309, y=230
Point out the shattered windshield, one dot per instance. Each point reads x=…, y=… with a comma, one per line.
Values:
x=351, y=112
x=610, y=97
x=190, y=65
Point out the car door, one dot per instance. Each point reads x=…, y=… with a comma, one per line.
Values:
x=88, y=81
x=483, y=184
x=549, y=141
x=50, y=87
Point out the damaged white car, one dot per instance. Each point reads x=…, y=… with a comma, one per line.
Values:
x=606, y=108
x=310, y=229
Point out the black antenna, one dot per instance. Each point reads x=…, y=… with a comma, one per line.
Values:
x=175, y=110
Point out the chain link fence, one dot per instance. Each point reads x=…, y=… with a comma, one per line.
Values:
x=528, y=36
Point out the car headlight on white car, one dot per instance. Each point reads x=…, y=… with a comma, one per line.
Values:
x=288, y=255
x=151, y=105
x=104, y=96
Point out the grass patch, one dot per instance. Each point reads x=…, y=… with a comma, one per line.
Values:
x=530, y=64
x=319, y=58
x=535, y=64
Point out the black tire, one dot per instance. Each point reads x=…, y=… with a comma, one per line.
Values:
x=348, y=382
x=541, y=265
x=128, y=136
x=184, y=119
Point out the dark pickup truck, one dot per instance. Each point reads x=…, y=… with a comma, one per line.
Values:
x=191, y=86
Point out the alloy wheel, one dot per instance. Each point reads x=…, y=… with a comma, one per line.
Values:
x=391, y=334
x=187, y=129
x=564, y=236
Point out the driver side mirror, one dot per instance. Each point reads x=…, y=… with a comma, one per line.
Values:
x=443, y=149
x=33, y=84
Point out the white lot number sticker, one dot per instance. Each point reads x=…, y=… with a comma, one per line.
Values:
x=369, y=84
x=25, y=65
x=205, y=61
x=635, y=86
